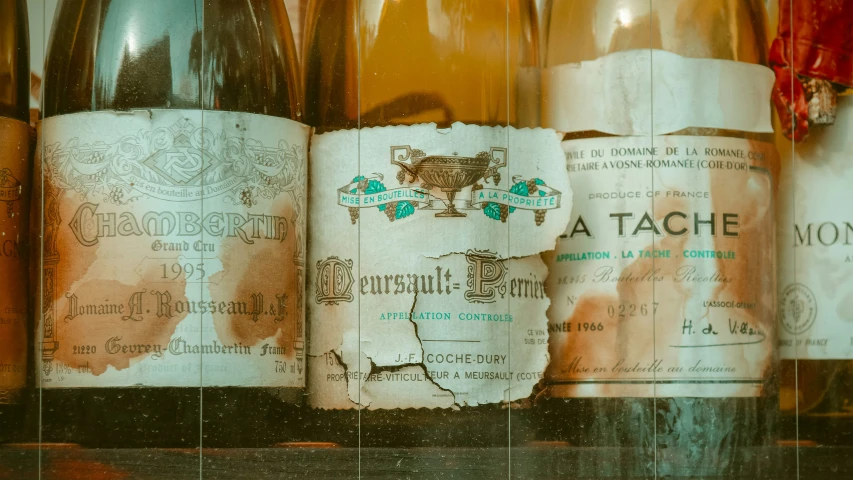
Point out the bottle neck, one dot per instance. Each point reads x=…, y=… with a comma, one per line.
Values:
x=172, y=54
x=14, y=73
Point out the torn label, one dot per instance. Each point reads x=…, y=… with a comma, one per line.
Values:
x=428, y=285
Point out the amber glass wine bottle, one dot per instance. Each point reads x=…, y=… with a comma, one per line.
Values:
x=174, y=225
x=426, y=304
x=15, y=171
x=662, y=318
x=815, y=292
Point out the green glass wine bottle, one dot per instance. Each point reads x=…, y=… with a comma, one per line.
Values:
x=662, y=318
x=173, y=225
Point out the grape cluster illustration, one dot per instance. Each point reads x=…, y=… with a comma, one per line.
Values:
x=246, y=197
x=504, y=212
x=524, y=188
x=539, y=215
x=116, y=195
x=391, y=211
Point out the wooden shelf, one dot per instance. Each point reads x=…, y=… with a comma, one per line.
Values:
x=535, y=462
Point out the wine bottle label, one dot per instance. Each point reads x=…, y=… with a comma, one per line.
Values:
x=655, y=92
x=174, y=245
x=15, y=170
x=660, y=283
x=426, y=286
x=815, y=238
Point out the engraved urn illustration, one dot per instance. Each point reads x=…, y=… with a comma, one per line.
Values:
x=449, y=173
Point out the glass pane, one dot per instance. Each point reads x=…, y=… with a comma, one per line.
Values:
x=444, y=303
x=717, y=415
x=814, y=289
x=599, y=385
x=250, y=256
x=118, y=153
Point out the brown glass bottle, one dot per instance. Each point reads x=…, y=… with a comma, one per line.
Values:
x=209, y=56
x=381, y=63
x=691, y=435
x=15, y=170
x=816, y=401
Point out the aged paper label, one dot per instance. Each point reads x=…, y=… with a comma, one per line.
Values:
x=174, y=246
x=426, y=287
x=15, y=171
x=662, y=284
x=816, y=244
x=646, y=92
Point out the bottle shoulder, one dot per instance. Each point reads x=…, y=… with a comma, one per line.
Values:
x=417, y=61
x=184, y=54
x=720, y=29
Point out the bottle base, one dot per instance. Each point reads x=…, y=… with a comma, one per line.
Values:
x=168, y=417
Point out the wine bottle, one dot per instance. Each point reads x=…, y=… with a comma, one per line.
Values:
x=174, y=225
x=15, y=171
x=662, y=315
x=430, y=204
x=815, y=294
x=812, y=97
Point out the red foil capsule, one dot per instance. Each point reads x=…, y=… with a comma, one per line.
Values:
x=814, y=43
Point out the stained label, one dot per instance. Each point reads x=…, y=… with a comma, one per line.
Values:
x=174, y=247
x=816, y=244
x=426, y=286
x=662, y=283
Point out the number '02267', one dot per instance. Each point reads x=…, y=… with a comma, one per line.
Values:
x=631, y=309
